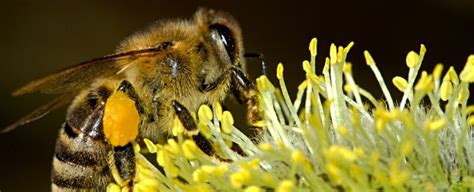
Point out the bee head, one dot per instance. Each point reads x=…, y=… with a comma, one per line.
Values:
x=224, y=33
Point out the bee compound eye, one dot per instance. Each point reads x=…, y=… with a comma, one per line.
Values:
x=226, y=38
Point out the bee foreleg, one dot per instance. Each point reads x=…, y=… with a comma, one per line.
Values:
x=203, y=87
x=245, y=91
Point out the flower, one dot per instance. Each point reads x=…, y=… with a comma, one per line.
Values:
x=328, y=139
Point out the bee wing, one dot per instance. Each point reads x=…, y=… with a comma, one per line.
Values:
x=40, y=111
x=69, y=81
x=82, y=75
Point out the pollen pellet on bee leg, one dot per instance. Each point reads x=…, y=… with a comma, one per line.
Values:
x=120, y=119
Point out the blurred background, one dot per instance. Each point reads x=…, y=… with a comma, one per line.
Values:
x=39, y=38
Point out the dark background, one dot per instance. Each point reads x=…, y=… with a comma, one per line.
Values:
x=38, y=38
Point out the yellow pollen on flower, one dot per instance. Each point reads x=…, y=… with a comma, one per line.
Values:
x=280, y=71
x=125, y=189
x=147, y=185
x=217, y=107
x=453, y=76
x=469, y=109
x=252, y=188
x=264, y=84
x=347, y=67
x=171, y=171
x=265, y=147
x=400, y=83
x=348, y=47
x=306, y=66
x=347, y=88
x=298, y=157
x=437, y=71
x=422, y=49
x=368, y=58
x=406, y=148
x=220, y=170
x=208, y=168
x=150, y=146
x=200, y=176
x=172, y=146
x=470, y=120
x=340, y=54
x=254, y=163
x=412, y=59
x=286, y=186
x=333, y=54
x=380, y=125
x=327, y=62
x=204, y=130
x=268, y=178
x=312, y=78
x=189, y=149
x=334, y=172
x=355, y=116
x=397, y=177
x=261, y=123
x=467, y=74
x=435, y=125
x=204, y=113
x=303, y=85
x=313, y=45
x=121, y=119
x=425, y=83
x=163, y=158
x=280, y=144
x=178, y=127
x=446, y=90
x=463, y=94
x=227, y=122
x=343, y=131
x=112, y=187
x=240, y=178
x=136, y=147
x=336, y=153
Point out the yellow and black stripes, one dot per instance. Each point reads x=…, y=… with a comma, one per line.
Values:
x=79, y=163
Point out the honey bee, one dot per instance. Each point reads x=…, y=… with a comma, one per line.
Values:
x=164, y=72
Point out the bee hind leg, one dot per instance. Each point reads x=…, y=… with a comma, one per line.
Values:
x=122, y=160
x=122, y=165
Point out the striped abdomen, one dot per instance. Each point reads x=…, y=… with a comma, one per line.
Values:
x=80, y=162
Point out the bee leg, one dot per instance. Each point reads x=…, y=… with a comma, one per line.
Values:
x=184, y=116
x=261, y=57
x=122, y=164
x=188, y=123
x=128, y=89
x=245, y=91
x=122, y=158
